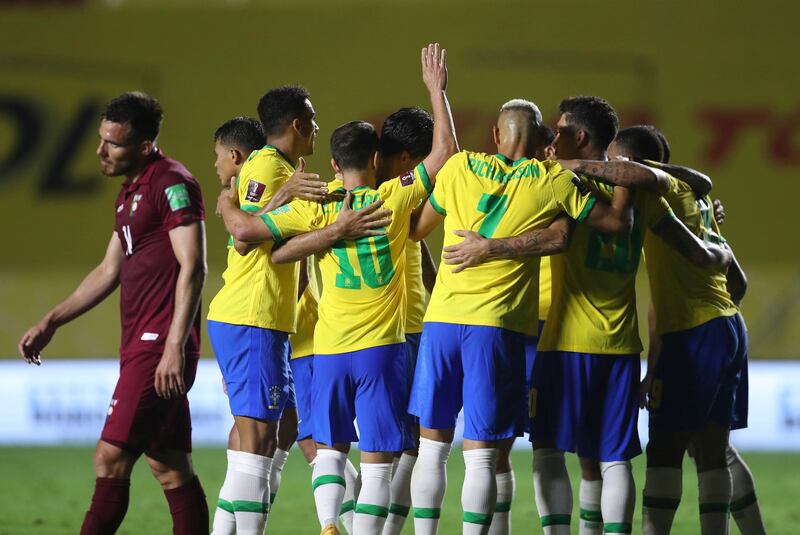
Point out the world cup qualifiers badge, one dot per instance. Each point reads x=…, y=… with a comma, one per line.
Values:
x=274, y=397
x=254, y=191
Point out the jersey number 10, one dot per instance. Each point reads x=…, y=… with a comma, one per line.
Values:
x=367, y=260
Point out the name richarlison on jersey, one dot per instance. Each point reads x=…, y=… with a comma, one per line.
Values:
x=485, y=169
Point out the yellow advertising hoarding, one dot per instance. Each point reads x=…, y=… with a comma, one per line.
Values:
x=719, y=82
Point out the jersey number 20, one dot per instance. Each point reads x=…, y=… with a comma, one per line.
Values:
x=367, y=260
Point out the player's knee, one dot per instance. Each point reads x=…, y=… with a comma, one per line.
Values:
x=663, y=452
x=590, y=469
x=603, y=468
x=112, y=462
x=172, y=475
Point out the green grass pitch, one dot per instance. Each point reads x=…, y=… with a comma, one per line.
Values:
x=47, y=491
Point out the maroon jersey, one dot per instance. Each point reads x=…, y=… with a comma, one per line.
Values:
x=164, y=197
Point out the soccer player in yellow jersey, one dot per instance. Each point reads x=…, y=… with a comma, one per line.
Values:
x=249, y=320
x=699, y=378
x=593, y=310
x=359, y=349
x=472, y=349
x=406, y=138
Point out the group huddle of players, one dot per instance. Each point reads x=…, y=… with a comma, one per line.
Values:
x=324, y=320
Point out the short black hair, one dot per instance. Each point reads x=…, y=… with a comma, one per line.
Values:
x=280, y=106
x=353, y=144
x=142, y=111
x=407, y=130
x=642, y=142
x=594, y=115
x=243, y=133
x=663, y=140
x=546, y=135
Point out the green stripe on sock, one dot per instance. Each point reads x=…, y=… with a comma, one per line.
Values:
x=427, y=512
x=478, y=518
x=744, y=502
x=715, y=508
x=399, y=510
x=347, y=506
x=661, y=503
x=617, y=527
x=243, y=506
x=555, y=520
x=225, y=505
x=591, y=516
x=372, y=510
x=328, y=480
x=502, y=507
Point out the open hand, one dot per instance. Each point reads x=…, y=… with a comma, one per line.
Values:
x=34, y=341
x=228, y=196
x=369, y=221
x=472, y=251
x=434, y=67
x=302, y=185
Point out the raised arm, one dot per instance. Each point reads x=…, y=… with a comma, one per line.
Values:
x=98, y=284
x=434, y=74
x=615, y=217
x=189, y=246
x=623, y=173
x=700, y=183
x=697, y=251
x=349, y=225
x=475, y=249
x=423, y=220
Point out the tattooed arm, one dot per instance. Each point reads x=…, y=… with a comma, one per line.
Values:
x=623, y=173
x=701, y=184
x=475, y=249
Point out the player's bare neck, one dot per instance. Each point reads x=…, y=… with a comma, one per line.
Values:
x=354, y=179
x=592, y=153
x=515, y=152
x=133, y=176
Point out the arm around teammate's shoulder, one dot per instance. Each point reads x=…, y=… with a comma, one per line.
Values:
x=615, y=217
x=697, y=251
x=239, y=224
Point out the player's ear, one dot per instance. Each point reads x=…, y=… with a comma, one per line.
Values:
x=335, y=167
x=236, y=156
x=376, y=158
x=146, y=147
x=581, y=138
x=496, y=135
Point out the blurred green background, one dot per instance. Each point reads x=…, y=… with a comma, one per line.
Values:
x=717, y=78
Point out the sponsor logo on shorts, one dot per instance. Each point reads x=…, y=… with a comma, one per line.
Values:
x=407, y=179
x=274, y=397
x=254, y=191
x=149, y=337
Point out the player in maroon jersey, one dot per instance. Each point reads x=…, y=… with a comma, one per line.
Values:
x=157, y=255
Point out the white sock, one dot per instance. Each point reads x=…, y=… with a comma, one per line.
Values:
x=428, y=484
x=401, y=494
x=744, y=504
x=351, y=488
x=372, y=506
x=715, y=497
x=224, y=520
x=501, y=521
x=618, y=498
x=479, y=493
x=278, y=461
x=591, y=519
x=249, y=492
x=662, y=495
x=552, y=491
x=328, y=484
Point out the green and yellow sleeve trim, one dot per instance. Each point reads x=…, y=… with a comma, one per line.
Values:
x=436, y=206
x=587, y=208
x=423, y=175
x=273, y=228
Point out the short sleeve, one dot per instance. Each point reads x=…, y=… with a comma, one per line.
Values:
x=297, y=217
x=444, y=181
x=407, y=190
x=570, y=193
x=260, y=178
x=653, y=209
x=178, y=200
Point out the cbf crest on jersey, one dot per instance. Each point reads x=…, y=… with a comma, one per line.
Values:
x=254, y=191
x=274, y=397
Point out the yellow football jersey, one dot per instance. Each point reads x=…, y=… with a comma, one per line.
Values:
x=498, y=198
x=364, y=291
x=545, y=288
x=258, y=292
x=302, y=341
x=416, y=295
x=685, y=295
x=593, y=308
